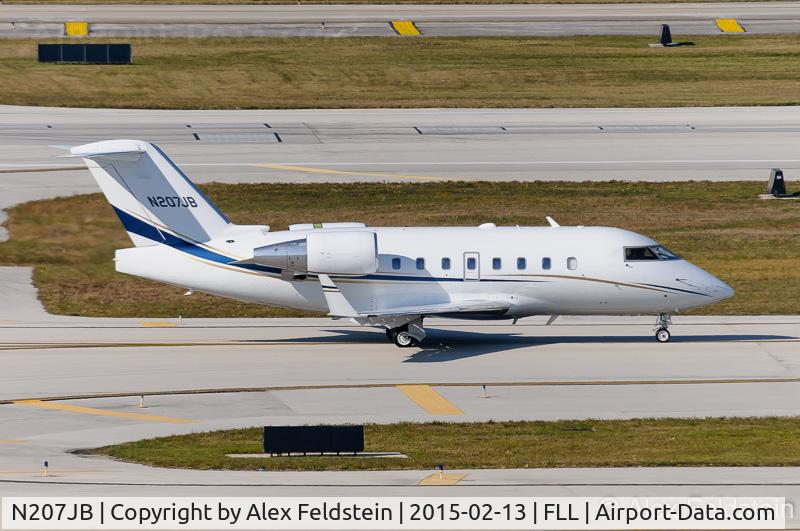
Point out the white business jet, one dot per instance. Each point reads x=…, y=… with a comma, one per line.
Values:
x=389, y=277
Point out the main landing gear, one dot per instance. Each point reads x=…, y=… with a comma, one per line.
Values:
x=409, y=335
x=662, y=326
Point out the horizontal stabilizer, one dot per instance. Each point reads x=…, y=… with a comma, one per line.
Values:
x=108, y=149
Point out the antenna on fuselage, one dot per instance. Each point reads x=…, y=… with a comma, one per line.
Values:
x=552, y=222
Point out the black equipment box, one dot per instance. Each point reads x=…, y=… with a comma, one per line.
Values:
x=313, y=439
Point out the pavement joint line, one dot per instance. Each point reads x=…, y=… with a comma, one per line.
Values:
x=52, y=472
x=245, y=343
x=551, y=383
x=101, y=412
x=335, y=325
x=124, y=345
x=38, y=170
x=472, y=483
x=158, y=324
x=429, y=400
x=435, y=480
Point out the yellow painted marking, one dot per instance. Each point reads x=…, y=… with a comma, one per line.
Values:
x=306, y=169
x=446, y=479
x=12, y=441
x=158, y=324
x=76, y=29
x=405, y=27
x=729, y=25
x=103, y=412
x=429, y=400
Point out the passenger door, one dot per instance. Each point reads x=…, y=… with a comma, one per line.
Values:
x=472, y=266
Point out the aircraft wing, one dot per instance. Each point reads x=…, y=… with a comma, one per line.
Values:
x=469, y=306
x=339, y=306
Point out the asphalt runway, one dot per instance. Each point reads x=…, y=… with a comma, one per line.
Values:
x=373, y=20
x=409, y=144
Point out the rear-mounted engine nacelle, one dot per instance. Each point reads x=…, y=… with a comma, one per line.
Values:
x=332, y=253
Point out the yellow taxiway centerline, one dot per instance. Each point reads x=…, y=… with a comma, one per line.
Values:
x=429, y=400
x=327, y=171
x=60, y=406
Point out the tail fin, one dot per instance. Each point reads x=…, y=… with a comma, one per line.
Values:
x=152, y=197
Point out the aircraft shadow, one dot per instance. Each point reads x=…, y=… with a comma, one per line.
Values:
x=442, y=346
x=450, y=345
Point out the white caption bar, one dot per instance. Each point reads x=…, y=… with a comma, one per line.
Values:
x=394, y=513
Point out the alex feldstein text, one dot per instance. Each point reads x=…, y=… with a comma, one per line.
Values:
x=395, y=513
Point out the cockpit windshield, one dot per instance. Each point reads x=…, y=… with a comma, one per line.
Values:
x=651, y=252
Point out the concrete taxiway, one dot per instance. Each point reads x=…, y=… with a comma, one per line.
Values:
x=63, y=356
x=373, y=20
x=198, y=375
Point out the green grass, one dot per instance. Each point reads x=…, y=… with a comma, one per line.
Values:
x=608, y=71
x=752, y=244
x=591, y=443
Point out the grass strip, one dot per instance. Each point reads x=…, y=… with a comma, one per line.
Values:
x=280, y=73
x=590, y=443
x=724, y=228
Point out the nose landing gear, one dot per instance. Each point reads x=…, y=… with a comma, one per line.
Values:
x=661, y=329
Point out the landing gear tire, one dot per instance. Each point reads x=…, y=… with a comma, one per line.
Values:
x=408, y=335
x=662, y=335
x=403, y=339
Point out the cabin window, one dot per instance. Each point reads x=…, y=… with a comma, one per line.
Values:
x=572, y=263
x=521, y=263
x=420, y=263
x=652, y=252
x=472, y=264
x=545, y=263
x=395, y=263
x=497, y=263
x=445, y=263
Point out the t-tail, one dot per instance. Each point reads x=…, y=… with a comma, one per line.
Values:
x=154, y=200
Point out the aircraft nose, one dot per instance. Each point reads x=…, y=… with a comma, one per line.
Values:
x=719, y=289
x=724, y=290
